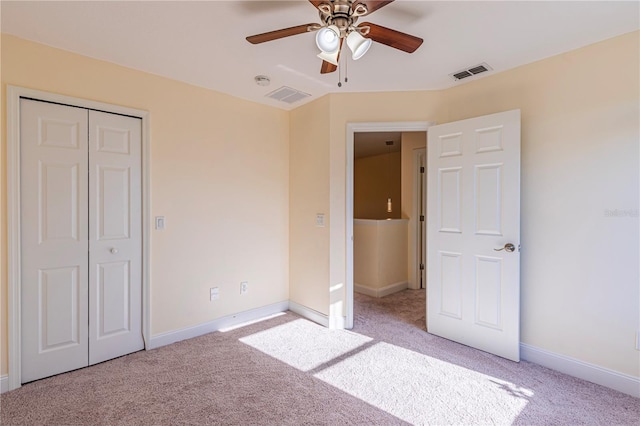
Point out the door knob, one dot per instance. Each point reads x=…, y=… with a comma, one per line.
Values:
x=507, y=247
x=114, y=250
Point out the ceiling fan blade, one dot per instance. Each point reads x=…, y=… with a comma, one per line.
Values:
x=392, y=38
x=317, y=3
x=372, y=5
x=327, y=67
x=285, y=32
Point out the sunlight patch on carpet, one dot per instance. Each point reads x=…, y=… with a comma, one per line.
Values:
x=421, y=389
x=305, y=345
x=408, y=385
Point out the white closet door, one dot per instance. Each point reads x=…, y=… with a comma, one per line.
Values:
x=115, y=236
x=54, y=240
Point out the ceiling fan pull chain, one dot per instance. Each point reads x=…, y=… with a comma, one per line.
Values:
x=339, y=73
x=346, y=70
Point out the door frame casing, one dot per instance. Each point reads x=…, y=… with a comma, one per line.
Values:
x=420, y=236
x=14, y=93
x=352, y=129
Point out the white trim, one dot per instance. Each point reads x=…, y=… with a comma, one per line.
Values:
x=4, y=383
x=14, y=94
x=146, y=227
x=583, y=370
x=13, y=236
x=170, y=337
x=352, y=128
x=382, y=291
x=309, y=314
x=363, y=289
x=414, y=279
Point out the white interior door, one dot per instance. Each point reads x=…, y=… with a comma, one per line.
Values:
x=81, y=237
x=115, y=236
x=473, y=193
x=54, y=239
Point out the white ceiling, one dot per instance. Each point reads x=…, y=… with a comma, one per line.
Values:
x=203, y=42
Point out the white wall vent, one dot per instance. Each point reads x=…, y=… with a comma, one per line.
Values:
x=471, y=71
x=287, y=94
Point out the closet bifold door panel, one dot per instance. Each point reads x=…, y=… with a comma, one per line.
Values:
x=81, y=237
x=54, y=239
x=115, y=236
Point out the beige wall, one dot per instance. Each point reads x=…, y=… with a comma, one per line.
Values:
x=580, y=295
x=222, y=184
x=309, y=195
x=375, y=179
x=410, y=142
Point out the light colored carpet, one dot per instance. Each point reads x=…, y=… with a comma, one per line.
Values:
x=287, y=370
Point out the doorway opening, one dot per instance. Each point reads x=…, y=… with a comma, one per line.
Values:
x=391, y=254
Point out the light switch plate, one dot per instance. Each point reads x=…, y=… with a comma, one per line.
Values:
x=214, y=293
x=160, y=223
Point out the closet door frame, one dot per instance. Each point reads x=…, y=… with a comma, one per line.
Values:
x=14, y=94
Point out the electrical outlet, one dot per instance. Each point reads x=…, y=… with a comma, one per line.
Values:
x=214, y=293
x=638, y=340
x=244, y=287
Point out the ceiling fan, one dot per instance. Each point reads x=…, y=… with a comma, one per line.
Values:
x=339, y=19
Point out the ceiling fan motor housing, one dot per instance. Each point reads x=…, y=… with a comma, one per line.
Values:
x=341, y=14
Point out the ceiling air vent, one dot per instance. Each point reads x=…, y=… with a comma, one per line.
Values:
x=287, y=94
x=471, y=71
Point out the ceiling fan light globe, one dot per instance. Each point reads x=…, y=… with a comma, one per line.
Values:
x=358, y=45
x=328, y=39
x=332, y=58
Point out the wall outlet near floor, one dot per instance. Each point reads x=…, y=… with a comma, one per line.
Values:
x=214, y=293
x=244, y=287
x=638, y=340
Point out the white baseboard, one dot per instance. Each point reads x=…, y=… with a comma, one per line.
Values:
x=215, y=325
x=602, y=376
x=4, y=383
x=362, y=289
x=309, y=314
x=380, y=292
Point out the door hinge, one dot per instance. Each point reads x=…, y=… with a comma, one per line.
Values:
x=422, y=266
x=421, y=218
x=421, y=169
